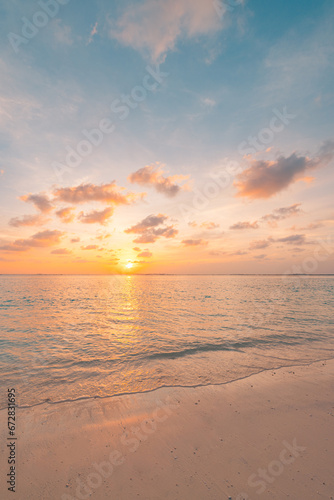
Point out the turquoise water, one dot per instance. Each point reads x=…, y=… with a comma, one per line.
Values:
x=65, y=337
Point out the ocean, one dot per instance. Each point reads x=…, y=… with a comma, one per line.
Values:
x=74, y=336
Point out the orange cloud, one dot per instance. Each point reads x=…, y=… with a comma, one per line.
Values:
x=148, y=230
x=90, y=247
x=41, y=239
x=103, y=236
x=281, y=214
x=145, y=254
x=28, y=220
x=295, y=239
x=41, y=201
x=209, y=225
x=12, y=247
x=66, y=214
x=264, y=179
x=96, y=217
x=193, y=243
x=61, y=251
x=151, y=175
x=245, y=225
x=257, y=245
x=105, y=193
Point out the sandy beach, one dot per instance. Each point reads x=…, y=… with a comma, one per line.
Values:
x=266, y=436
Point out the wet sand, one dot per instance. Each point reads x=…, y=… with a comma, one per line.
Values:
x=267, y=436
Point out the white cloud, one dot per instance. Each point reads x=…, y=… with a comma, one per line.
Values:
x=62, y=33
x=155, y=26
x=92, y=34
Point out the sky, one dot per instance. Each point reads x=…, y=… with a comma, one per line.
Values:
x=166, y=136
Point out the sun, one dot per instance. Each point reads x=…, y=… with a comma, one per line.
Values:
x=129, y=265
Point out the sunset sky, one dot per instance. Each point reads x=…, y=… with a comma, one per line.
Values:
x=167, y=136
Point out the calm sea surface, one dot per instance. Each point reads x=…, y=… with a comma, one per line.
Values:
x=65, y=337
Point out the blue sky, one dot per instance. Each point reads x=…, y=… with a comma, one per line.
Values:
x=224, y=79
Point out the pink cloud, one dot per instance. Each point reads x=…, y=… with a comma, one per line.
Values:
x=42, y=239
x=154, y=27
x=152, y=175
x=96, y=217
x=194, y=242
x=149, y=231
x=61, y=251
x=66, y=214
x=245, y=225
x=41, y=201
x=104, y=193
x=209, y=225
x=264, y=179
x=281, y=214
x=145, y=254
x=28, y=220
x=90, y=247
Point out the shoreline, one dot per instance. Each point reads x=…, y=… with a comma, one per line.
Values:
x=206, y=442
x=176, y=386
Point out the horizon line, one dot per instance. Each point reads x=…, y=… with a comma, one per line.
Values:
x=166, y=274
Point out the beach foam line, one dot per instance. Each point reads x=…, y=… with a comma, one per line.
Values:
x=177, y=386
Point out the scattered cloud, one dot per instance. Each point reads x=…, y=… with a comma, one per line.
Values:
x=154, y=27
x=149, y=231
x=92, y=33
x=96, y=217
x=12, y=247
x=42, y=239
x=257, y=245
x=313, y=225
x=75, y=240
x=152, y=175
x=28, y=220
x=281, y=214
x=103, y=236
x=104, y=193
x=145, y=254
x=89, y=247
x=264, y=179
x=66, y=214
x=295, y=239
x=208, y=102
x=195, y=242
x=209, y=225
x=41, y=201
x=245, y=225
x=61, y=32
x=61, y=251
x=217, y=253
